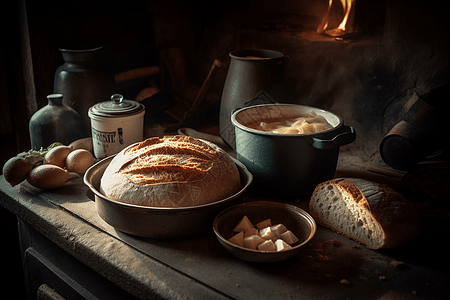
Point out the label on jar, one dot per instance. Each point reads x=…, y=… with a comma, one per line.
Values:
x=111, y=135
x=105, y=136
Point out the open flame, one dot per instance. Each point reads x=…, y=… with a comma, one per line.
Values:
x=346, y=25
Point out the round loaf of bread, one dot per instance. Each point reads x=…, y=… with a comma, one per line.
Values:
x=370, y=213
x=174, y=171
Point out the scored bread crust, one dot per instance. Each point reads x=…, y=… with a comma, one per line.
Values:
x=370, y=213
x=174, y=171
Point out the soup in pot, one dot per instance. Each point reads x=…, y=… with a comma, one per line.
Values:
x=310, y=123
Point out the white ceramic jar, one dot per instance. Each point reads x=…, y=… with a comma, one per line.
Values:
x=115, y=125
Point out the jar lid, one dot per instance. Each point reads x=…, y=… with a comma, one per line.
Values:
x=117, y=107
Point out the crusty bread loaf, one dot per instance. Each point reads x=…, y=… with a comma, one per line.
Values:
x=370, y=213
x=174, y=171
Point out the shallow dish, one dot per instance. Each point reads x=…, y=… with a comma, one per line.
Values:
x=295, y=219
x=158, y=222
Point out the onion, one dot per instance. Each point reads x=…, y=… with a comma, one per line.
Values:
x=48, y=177
x=84, y=143
x=79, y=161
x=57, y=156
x=16, y=170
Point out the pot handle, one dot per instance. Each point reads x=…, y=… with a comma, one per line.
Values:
x=346, y=137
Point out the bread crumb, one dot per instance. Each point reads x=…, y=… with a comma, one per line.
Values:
x=335, y=243
x=382, y=277
x=396, y=264
x=344, y=282
x=320, y=257
x=355, y=246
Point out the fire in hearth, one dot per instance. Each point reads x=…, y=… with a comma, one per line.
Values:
x=345, y=26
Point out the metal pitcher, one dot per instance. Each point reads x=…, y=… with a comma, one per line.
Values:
x=254, y=77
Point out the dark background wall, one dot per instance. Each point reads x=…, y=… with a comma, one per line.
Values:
x=400, y=45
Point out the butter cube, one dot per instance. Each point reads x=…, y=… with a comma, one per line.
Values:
x=250, y=231
x=268, y=245
x=243, y=224
x=238, y=239
x=253, y=241
x=267, y=234
x=278, y=230
x=289, y=237
x=281, y=245
x=264, y=224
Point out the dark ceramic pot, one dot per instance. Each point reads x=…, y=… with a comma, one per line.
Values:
x=288, y=165
x=82, y=82
x=54, y=122
x=254, y=77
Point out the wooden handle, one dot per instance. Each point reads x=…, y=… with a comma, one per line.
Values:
x=136, y=73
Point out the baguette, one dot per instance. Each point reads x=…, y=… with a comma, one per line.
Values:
x=175, y=171
x=372, y=214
